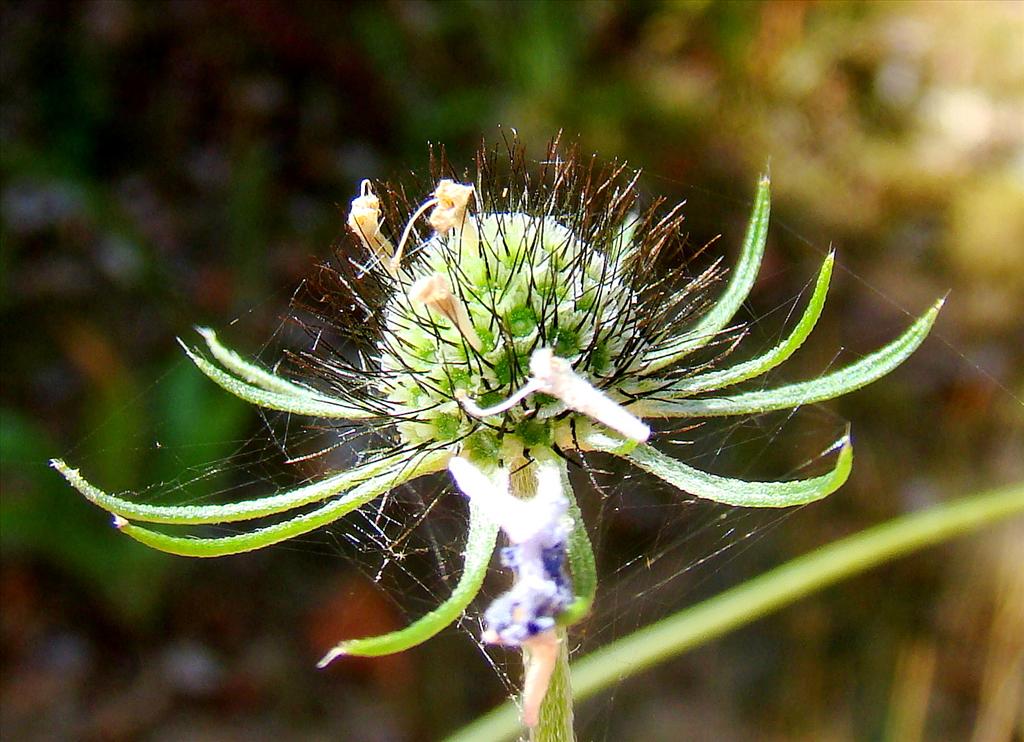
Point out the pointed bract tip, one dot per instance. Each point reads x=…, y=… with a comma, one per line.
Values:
x=841, y=445
x=330, y=657
x=206, y=332
x=62, y=468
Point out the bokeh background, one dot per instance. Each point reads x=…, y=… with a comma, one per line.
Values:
x=177, y=163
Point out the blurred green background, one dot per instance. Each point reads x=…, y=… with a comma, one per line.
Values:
x=177, y=163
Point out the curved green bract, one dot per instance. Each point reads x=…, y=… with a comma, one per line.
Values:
x=766, y=362
x=583, y=567
x=831, y=385
x=735, y=294
x=728, y=491
x=249, y=371
x=223, y=546
x=229, y=512
x=480, y=543
x=302, y=404
x=582, y=564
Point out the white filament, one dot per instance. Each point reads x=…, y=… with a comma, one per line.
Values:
x=396, y=260
x=554, y=376
x=476, y=411
x=450, y=201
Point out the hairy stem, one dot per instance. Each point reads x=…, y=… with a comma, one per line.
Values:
x=556, y=711
x=762, y=595
x=556, y=714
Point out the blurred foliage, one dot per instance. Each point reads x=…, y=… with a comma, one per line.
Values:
x=171, y=164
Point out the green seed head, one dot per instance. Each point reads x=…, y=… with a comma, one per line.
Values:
x=487, y=295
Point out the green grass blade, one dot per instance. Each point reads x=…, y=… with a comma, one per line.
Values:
x=735, y=294
x=321, y=406
x=242, y=542
x=250, y=372
x=764, y=363
x=828, y=386
x=228, y=512
x=480, y=543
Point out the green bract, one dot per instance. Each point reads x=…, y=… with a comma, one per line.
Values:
x=535, y=316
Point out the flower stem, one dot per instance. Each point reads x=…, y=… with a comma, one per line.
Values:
x=556, y=713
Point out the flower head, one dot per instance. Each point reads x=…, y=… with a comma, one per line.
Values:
x=529, y=316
